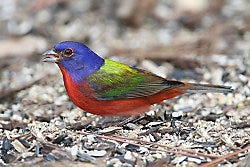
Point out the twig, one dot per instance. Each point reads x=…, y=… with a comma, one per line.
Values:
x=181, y=151
x=216, y=161
x=170, y=147
x=116, y=138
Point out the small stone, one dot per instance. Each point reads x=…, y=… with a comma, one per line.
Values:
x=154, y=123
x=84, y=157
x=39, y=112
x=27, y=154
x=59, y=138
x=91, y=139
x=243, y=78
x=150, y=158
x=19, y=146
x=132, y=126
x=196, y=160
x=16, y=107
x=151, y=137
x=157, y=156
x=143, y=150
x=60, y=100
x=131, y=147
x=129, y=156
x=179, y=160
x=49, y=157
x=17, y=117
x=189, y=164
x=73, y=150
x=127, y=165
x=6, y=145
x=114, y=162
x=177, y=114
x=97, y=153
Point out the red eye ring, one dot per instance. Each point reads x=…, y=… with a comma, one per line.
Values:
x=68, y=52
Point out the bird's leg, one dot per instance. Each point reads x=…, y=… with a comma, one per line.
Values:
x=133, y=118
x=106, y=121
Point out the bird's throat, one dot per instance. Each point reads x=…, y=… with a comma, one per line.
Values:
x=80, y=72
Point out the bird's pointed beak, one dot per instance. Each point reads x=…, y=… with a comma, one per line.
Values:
x=51, y=56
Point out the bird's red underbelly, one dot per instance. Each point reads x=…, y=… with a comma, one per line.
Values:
x=88, y=103
x=122, y=107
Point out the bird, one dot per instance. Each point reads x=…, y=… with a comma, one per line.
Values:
x=110, y=88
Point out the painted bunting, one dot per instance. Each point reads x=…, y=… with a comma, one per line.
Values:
x=105, y=87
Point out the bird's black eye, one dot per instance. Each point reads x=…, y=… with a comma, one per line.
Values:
x=68, y=52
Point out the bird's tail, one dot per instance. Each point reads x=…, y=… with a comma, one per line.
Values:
x=206, y=88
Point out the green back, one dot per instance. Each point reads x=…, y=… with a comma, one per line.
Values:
x=115, y=80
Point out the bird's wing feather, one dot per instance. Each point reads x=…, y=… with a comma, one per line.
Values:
x=115, y=81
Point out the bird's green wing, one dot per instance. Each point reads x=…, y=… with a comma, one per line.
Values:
x=115, y=80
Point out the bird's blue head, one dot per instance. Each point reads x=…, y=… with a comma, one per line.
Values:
x=75, y=58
